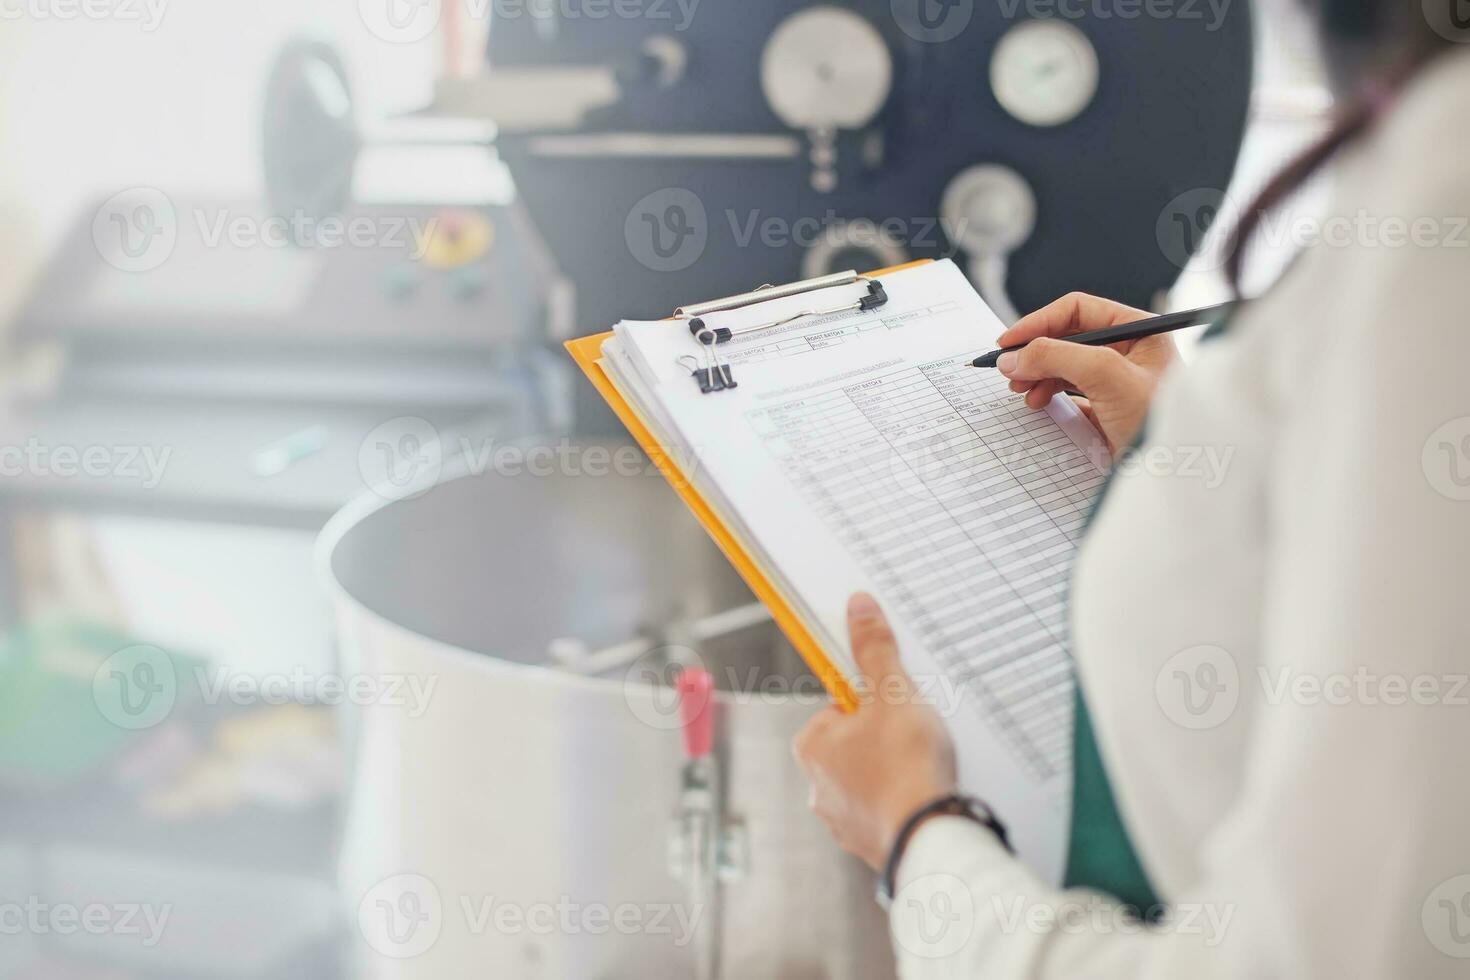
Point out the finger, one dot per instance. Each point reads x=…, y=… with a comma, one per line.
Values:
x=873, y=644
x=1096, y=371
x=1021, y=387
x=806, y=745
x=825, y=800
x=1041, y=395
x=1072, y=313
x=825, y=810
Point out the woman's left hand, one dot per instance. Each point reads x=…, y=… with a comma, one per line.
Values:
x=873, y=768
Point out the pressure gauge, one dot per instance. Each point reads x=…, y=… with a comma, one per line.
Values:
x=826, y=68
x=1044, y=72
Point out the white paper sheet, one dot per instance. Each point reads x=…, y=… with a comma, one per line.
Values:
x=861, y=451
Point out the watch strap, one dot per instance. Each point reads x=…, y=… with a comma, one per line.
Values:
x=950, y=805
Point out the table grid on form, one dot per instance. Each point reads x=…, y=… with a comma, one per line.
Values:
x=965, y=507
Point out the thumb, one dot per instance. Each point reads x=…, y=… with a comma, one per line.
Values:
x=1097, y=371
x=873, y=644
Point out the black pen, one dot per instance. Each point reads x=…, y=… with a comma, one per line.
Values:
x=1136, y=330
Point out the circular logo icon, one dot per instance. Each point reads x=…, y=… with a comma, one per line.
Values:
x=1198, y=688
x=1184, y=224
x=933, y=916
x=136, y=687
x=937, y=465
x=932, y=21
x=1446, y=459
x=401, y=917
x=136, y=230
x=667, y=230
x=1445, y=916
x=1450, y=19
x=401, y=459
x=649, y=686
x=399, y=21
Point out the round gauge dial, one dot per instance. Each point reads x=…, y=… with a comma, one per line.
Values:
x=1044, y=72
x=826, y=68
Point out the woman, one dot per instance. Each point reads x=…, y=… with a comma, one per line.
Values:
x=1274, y=712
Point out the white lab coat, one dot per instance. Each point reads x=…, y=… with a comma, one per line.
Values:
x=1275, y=645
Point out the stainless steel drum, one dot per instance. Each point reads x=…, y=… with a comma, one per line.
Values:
x=534, y=815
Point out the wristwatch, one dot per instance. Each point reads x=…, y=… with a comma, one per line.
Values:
x=952, y=805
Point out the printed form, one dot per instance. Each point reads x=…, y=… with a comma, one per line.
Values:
x=862, y=452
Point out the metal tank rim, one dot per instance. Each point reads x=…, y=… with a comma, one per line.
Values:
x=343, y=602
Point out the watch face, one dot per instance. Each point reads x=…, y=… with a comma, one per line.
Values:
x=1044, y=72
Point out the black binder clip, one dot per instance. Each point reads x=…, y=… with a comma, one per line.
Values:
x=716, y=375
x=703, y=377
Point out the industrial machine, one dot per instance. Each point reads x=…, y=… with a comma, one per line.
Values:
x=261, y=362
x=668, y=154
x=196, y=395
x=1040, y=151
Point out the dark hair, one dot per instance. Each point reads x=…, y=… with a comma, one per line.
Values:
x=1379, y=46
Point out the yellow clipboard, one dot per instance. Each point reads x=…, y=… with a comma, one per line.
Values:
x=586, y=351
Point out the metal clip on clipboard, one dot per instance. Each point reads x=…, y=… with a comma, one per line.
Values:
x=717, y=376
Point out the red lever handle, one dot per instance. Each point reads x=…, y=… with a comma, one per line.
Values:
x=696, y=690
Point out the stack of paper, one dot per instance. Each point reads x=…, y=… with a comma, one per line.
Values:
x=862, y=452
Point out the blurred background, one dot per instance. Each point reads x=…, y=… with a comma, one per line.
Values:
x=338, y=621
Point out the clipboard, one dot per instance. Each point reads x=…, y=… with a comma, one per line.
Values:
x=586, y=351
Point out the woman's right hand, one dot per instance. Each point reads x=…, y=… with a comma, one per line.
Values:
x=1116, y=382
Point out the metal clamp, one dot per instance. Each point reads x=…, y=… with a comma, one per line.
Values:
x=714, y=375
